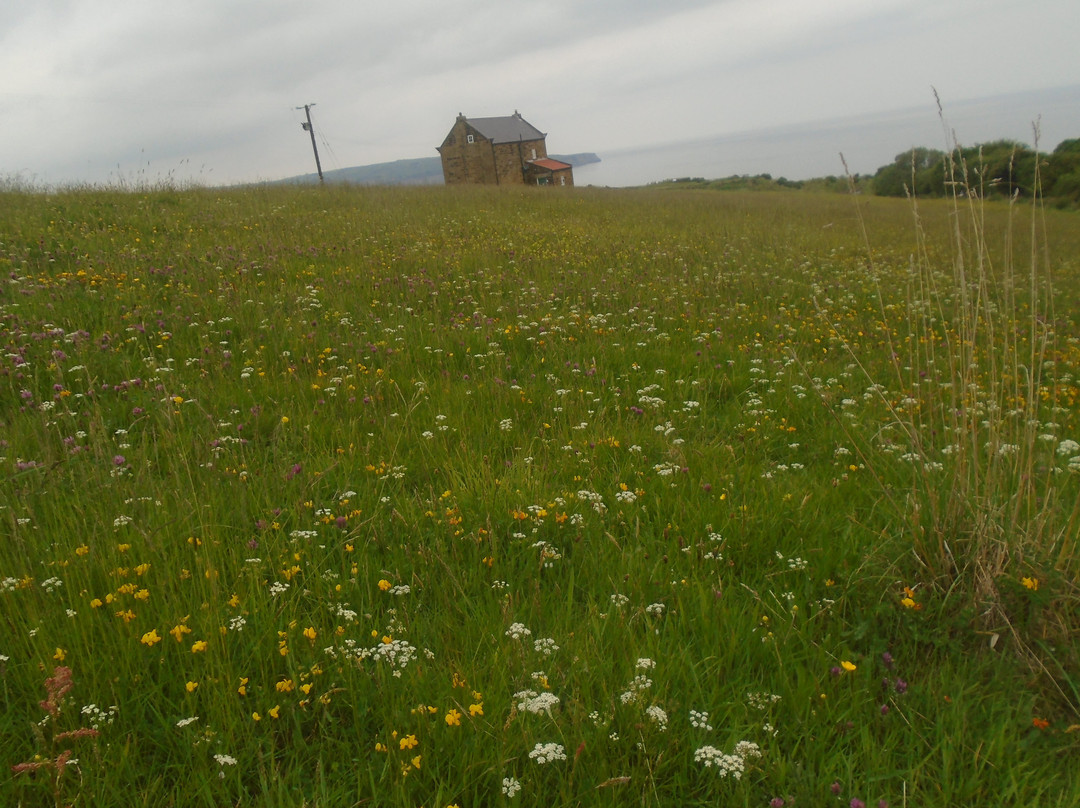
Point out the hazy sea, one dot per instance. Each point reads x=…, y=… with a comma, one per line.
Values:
x=867, y=142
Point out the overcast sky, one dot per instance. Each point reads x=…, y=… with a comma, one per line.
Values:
x=96, y=90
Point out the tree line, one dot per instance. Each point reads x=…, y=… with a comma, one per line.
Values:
x=999, y=168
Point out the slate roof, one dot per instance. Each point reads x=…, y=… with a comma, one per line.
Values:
x=507, y=129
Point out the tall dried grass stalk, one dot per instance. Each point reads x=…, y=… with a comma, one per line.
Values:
x=979, y=361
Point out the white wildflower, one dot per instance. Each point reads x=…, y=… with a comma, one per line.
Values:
x=658, y=716
x=546, y=752
x=700, y=720
x=511, y=786
x=545, y=646
x=529, y=701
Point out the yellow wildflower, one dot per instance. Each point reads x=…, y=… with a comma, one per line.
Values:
x=848, y=666
x=1030, y=583
x=453, y=718
x=191, y=686
x=199, y=646
x=150, y=638
x=274, y=711
x=408, y=742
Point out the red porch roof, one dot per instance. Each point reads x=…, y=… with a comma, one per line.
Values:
x=549, y=164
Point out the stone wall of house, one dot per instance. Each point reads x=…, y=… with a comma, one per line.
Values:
x=563, y=177
x=510, y=160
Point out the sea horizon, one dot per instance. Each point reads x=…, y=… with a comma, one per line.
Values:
x=867, y=142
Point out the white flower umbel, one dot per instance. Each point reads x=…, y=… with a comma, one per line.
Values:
x=546, y=752
x=700, y=720
x=529, y=701
x=658, y=716
x=732, y=765
x=545, y=646
x=725, y=765
x=517, y=631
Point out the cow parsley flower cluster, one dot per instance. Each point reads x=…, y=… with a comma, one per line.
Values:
x=761, y=701
x=397, y=653
x=1068, y=447
x=517, y=631
x=98, y=717
x=545, y=646
x=595, y=499
x=732, y=765
x=547, y=752
x=529, y=701
x=658, y=716
x=633, y=692
x=700, y=720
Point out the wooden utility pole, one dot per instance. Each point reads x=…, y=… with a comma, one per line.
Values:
x=307, y=127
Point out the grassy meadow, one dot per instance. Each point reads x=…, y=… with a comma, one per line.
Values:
x=481, y=497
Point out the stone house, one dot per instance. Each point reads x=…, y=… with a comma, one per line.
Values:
x=500, y=151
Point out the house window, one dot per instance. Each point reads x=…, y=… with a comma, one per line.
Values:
x=534, y=154
x=469, y=138
x=562, y=180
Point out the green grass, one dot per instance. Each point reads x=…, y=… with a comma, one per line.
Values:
x=724, y=433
